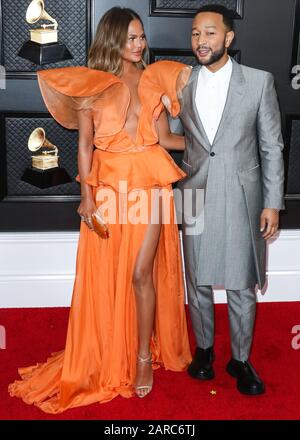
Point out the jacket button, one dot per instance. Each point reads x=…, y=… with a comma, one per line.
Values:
x=212, y=154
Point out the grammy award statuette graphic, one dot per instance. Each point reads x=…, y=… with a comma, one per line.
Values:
x=43, y=46
x=45, y=171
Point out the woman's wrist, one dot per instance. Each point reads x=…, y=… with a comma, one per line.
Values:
x=86, y=192
x=86, y=196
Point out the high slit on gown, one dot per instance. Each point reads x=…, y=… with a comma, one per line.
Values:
x=99, y=359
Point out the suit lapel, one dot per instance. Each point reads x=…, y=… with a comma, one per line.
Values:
x=194, y=111
x=234, y=99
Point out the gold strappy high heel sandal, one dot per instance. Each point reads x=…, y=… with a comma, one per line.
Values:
x=148, y=388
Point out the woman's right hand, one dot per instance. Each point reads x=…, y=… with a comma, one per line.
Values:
x=86, y=208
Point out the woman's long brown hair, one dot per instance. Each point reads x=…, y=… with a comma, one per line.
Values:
x=112, y=31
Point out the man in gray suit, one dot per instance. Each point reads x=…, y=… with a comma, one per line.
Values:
x=233, y=154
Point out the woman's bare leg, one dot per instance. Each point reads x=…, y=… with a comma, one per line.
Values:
x=145, y=301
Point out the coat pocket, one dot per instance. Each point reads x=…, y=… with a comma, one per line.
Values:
x=249, y=175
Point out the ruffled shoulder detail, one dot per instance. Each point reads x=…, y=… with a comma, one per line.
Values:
x=77, y=81
x=67, y=90
x=161, y=78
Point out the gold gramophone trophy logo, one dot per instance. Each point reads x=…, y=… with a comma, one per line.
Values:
x=45, y=171
x=43, y=46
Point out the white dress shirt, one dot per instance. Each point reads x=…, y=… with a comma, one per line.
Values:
x=211, y=95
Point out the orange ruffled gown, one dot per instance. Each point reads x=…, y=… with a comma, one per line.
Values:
x=99, y=359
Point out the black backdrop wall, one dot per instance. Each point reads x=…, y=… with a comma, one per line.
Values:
x=267, y=37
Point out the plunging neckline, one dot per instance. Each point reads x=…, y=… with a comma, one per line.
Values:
x=134, y=141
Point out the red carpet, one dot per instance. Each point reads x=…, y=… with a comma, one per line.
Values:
x=32, y=334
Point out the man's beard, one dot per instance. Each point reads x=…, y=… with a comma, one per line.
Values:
x=215, y=56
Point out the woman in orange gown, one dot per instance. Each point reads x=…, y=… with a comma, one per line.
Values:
x=127, y=314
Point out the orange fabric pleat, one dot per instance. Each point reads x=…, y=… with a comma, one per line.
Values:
x=138, y=170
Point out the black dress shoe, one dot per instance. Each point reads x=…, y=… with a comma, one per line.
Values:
x=201, y=365
x=248, y=381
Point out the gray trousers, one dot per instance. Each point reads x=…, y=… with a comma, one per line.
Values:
x=241, y=310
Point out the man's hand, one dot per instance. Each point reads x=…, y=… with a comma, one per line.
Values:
x=166, y=102
x=269, y=220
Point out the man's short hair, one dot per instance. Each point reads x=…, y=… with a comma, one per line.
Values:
x=222, y=10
